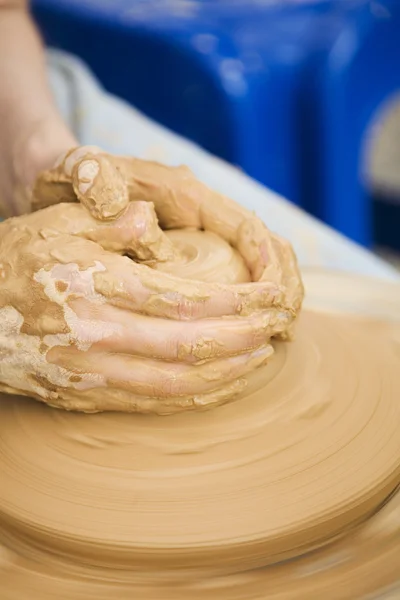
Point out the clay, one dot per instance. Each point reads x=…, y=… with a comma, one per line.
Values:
x=286, y=493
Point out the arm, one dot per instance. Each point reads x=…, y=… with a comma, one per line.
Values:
x=32, y=133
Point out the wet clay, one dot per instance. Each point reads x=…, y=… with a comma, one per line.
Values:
x=288, y=492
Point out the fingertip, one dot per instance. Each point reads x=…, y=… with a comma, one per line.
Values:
x=87, y=170
x=100, y=187
x=75, y=155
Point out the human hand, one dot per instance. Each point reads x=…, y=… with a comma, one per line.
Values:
x=106, y=184
x=85, y=328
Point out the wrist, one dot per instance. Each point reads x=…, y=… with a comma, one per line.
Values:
x=38, y=147
x=35, y=149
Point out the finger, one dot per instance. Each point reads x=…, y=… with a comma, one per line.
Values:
x=66, y=162
x=154, y=378
x=291, y=278
x=55, y=185
x=97, y=183
x=143, y=238
x=254, y=242
x=136, y=233
x=271, y=258
x=84, y=265
x=136, y=287
x=189, y=342
x=101, y=399
x=179, y=198
x=100, y=187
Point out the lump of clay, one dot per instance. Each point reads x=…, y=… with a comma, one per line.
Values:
x=134, y=287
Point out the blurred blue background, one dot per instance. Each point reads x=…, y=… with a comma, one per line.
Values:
x=294, y=92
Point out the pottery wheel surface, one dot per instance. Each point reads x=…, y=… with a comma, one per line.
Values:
x=306, y=457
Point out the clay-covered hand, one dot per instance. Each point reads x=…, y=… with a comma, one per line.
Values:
x=84, y=327
x=106, y=184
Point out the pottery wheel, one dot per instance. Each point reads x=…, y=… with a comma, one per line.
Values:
x=305, y=456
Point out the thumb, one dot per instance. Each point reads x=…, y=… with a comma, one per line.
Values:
x=100, y=187
x=83, y=174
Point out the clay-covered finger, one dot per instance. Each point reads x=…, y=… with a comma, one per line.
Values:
x=84, y=267
x=66, y=163
x=142, y=236
x=271, y=258
x=184, y=341
x=137, y=287
x=254, y=242
x=101, y=399
x=54, y=185
x=179, y=198
x=97, y=183
x=136, y=233
x=291, y=278
x=160, y=379
x=100, y=187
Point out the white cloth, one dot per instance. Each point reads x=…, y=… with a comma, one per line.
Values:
x=101, y=119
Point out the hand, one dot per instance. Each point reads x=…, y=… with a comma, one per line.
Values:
x=106, y=184
x=82, y=327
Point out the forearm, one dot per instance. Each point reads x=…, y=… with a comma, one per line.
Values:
x=32, y=132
